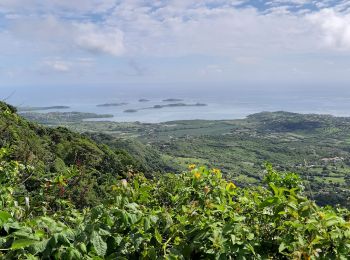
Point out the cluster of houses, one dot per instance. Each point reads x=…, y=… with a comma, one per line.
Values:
x=332, y=160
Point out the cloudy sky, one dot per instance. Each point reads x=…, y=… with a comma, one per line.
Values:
x=76, y=42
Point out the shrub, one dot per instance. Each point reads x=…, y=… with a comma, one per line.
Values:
x=193, y=215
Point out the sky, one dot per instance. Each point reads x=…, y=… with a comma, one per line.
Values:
x=106, y=42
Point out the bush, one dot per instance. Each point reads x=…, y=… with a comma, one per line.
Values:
x=193, y=215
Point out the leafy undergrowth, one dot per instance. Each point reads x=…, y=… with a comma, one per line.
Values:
x=193, y=215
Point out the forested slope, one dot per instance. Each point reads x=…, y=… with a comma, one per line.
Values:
x=53, y=151
x=314, y=146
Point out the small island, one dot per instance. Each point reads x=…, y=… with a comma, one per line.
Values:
x=28, y=109
x=143, y=100
x=177, y=105
x=172, y=100
x=130, y=111
x=200, y=105
x=167, y=105
x=112, y=104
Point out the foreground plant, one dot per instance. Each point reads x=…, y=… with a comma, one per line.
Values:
x=193, y=215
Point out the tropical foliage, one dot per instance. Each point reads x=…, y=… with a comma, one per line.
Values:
x=193, y=215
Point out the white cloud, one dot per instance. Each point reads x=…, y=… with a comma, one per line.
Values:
x=165, y=34
x=58, y=65
x=175, y=31
x=57, y=35
x=334, y=28
x=100, y=39
x=290, y=2
x=173, y=27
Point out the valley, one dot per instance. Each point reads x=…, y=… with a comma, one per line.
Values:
x=314, y=146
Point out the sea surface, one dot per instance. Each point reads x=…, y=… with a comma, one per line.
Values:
x=222, y=103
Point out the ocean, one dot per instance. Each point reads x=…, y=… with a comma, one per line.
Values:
x=222, y=102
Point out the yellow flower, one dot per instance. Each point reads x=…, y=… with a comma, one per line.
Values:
x=191, y=166
x=216, y=171
x=230, y=186
x=197, y=175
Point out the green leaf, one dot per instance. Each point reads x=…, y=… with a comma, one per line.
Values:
x=39, y=234
x=331, y=221
x=103, y=232
x=98, y=243
x=136, y=185
x=250, y=236
x=118, y=239
x=158, y=236
x=151, y=253
x=82, y=248
x=72, y=254
x=146, y=223
x=22, y=243
x=251, y=248
x=4, y=216
x=233, y=239
x=281, y=247
x=269, y=201
x=40, y=246
x=24, y=232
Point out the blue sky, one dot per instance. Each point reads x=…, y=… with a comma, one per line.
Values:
x=97, y=42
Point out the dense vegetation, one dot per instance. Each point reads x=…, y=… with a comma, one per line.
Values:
x=54, y=151
x=314, y=146
x=46, y=213
x=193, y=215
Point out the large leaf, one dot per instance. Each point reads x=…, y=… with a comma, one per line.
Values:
x=4, y=216
x=98, y=243
x=22, y=243
x=332, y=221
x=146, y=223
x=39, y=247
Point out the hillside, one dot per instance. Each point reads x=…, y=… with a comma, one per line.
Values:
x=53, y=151
x=314, y=146
x=64, y=196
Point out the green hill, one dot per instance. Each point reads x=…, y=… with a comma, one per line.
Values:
x=65, y=196
x=53, y=151
x=314, y=146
